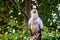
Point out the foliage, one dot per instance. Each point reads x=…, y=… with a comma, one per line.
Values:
x=14, y=32
x=47, y=35
x=16, y=9
x=13, y=18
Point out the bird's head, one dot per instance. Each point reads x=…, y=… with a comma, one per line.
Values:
x=34, y=12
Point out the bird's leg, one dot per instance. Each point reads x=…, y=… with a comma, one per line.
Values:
x=35, y=36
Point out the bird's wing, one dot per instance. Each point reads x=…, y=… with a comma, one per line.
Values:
x=40, y=23
x=29, y=23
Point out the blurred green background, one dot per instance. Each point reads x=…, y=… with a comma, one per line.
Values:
x=14, y=15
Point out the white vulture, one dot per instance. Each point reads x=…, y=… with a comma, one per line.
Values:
x=35, y=23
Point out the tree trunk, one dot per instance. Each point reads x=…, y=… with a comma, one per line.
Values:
x=28, y=8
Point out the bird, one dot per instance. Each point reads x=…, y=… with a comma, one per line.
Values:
x=35, y=23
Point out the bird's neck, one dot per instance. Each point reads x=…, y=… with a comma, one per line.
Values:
x=34, y=17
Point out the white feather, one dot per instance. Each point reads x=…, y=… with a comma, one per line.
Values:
x=37, y=18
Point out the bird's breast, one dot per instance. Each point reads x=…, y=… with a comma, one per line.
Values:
x=34, y=28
